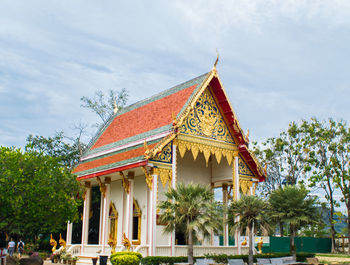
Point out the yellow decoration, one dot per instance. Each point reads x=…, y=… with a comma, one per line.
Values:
x=126, y=242
x=164, y=174
x=244, y=169
x=245, y=186
x=103, y=187
x=113, y=227
x=195, y=147
x=125, y=182
x=53, y=243
x=148, y=177
x=260, y=244
x=205, y=120
x=165, y=156
x=62, y=242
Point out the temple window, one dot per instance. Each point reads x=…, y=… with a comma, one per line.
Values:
x=113, y=223
x=136, y=229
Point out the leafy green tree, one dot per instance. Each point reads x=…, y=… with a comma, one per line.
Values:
x=295, y=207
x=191, y=206
x=66, y=150
x=284, y=159
x=320, y=141
x=249, y=212
x=105, y=106
x=341, y=166
x=37, y=193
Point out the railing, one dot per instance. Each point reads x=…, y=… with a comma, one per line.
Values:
x=74, y=250
x=143, y=250
x=95, y=250
x=163, y=250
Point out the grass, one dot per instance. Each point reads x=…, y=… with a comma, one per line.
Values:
x=335, y=255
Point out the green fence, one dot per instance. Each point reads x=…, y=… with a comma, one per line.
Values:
x=303, y=244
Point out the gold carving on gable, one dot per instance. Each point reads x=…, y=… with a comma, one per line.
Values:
x=243, y=168
x=165, y=156
x=205, y=120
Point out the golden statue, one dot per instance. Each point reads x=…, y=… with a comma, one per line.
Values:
x=53, y=243
x=126, y=242
x=62, y=242
x=244, y=243
x=260, y=244
x=112, y=242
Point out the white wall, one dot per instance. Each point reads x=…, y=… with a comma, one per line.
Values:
x=222, y=171
x=161, y=237
x=116, y=197
x=196, y=171
x=140, y=194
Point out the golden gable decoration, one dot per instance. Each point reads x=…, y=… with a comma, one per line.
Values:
x=243, y=169
x=205, y=120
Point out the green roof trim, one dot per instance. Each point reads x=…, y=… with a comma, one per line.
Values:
x=110, y=166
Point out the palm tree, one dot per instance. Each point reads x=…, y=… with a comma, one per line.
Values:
x=191, y=206
x=293, y=206
x=251, y=211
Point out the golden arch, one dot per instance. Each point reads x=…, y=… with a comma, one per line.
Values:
x=113, y=225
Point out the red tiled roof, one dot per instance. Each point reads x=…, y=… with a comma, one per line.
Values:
x=111, y=159
x=143, y=119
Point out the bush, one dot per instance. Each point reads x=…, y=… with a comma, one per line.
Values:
x=157, y=260
x=220, y=258
x=126, y=258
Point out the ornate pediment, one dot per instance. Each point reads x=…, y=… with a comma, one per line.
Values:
x=243, y=169
x=205, y=120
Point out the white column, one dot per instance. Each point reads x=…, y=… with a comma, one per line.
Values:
x=129, y=209
x=69, y=233
x=238, y=196
x=101, y=220
x=86, y=213
x=153, y=216
x=225, y=224
x=173, y=184
x=106, y=202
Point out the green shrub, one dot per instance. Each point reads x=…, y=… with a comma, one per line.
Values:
x=220, y=258
x=126, y=258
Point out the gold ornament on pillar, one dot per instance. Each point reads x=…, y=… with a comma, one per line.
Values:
x=102, y=186
x=125, y=182
x=245, y=186
x=148, y=177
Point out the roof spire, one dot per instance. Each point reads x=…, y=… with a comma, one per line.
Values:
x=217, y=60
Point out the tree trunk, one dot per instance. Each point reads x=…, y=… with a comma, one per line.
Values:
x=331, y=215
x=251, y=244
x=293, y=249
x=190, y=247
x=281, y=228
x=348, y=221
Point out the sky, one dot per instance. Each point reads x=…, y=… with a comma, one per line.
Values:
x=280, y=61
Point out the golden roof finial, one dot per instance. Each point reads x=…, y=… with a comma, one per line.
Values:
x=217, y=59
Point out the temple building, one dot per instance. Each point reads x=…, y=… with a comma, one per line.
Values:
x=188, y=133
